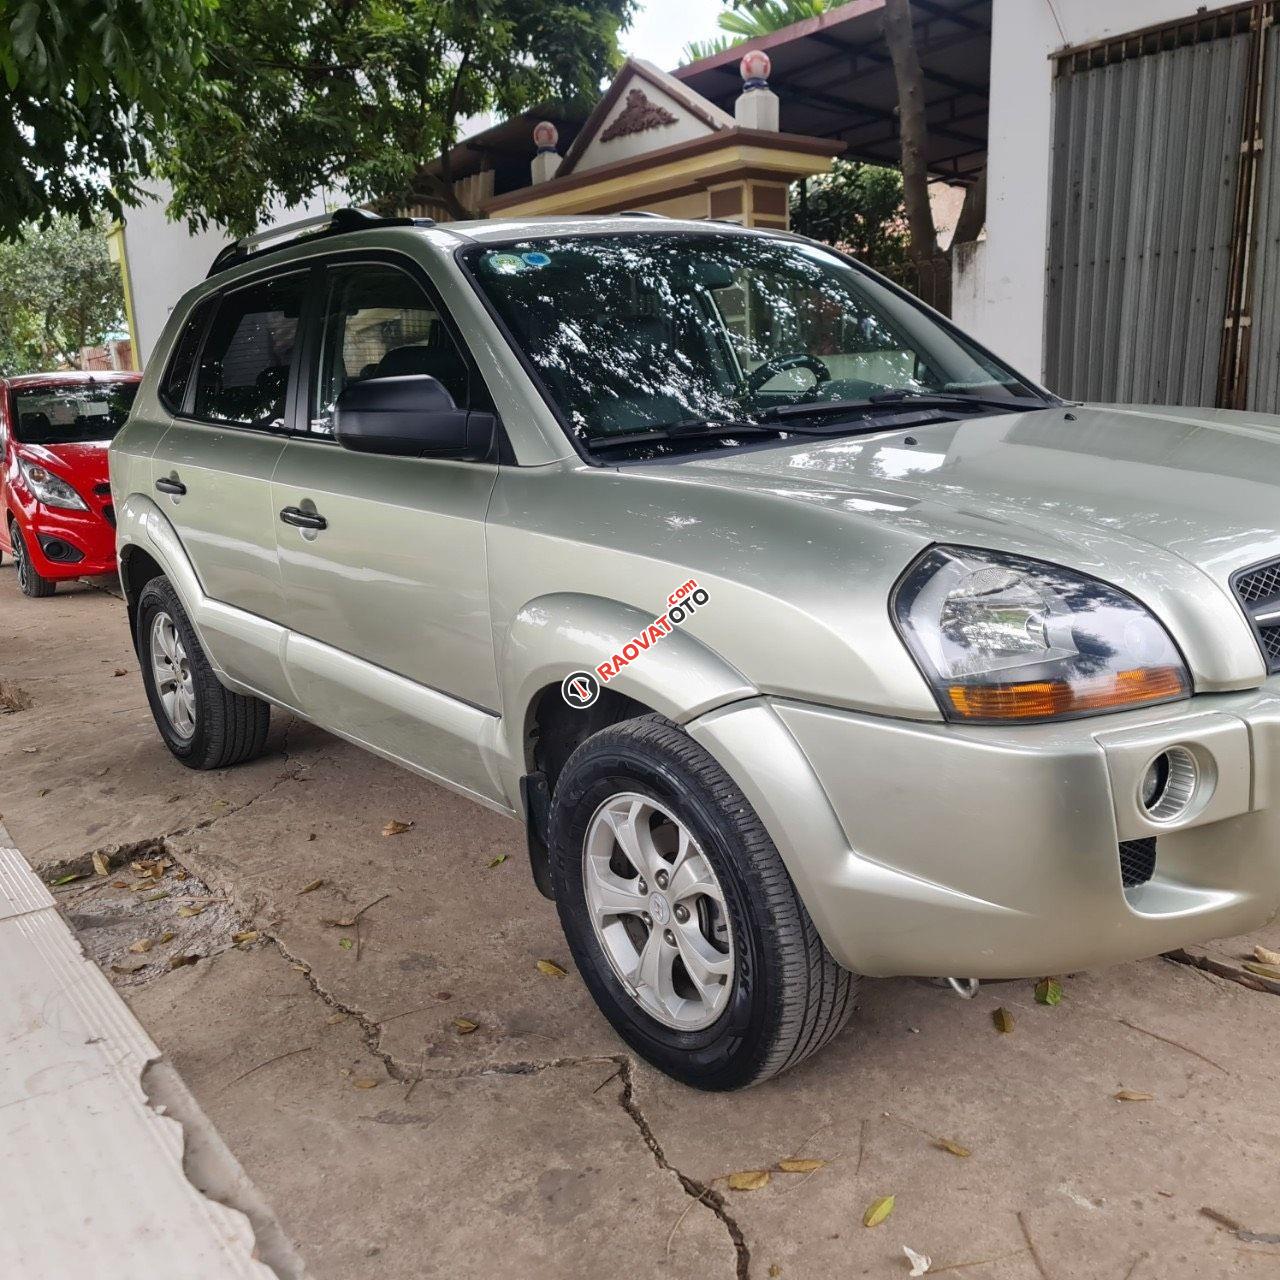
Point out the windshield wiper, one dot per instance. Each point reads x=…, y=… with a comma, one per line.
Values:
x=907, y=395
x=695, y=429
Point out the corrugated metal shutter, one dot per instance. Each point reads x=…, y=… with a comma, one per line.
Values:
x=1146, y=154
x=1264, y=364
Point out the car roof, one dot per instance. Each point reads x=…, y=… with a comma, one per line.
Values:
x=501, y=229
x=69, y=377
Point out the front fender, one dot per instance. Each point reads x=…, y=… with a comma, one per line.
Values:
x=554, y=635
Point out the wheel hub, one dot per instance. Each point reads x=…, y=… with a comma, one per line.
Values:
x=171, y=669
x=671, y=947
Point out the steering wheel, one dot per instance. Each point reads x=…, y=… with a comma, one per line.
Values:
x=766, y=372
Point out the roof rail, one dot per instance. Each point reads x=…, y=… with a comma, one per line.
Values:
x=337, y=223
x=639, y=213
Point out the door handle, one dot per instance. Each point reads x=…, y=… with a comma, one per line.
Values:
x=171, y=485
x=303, y=519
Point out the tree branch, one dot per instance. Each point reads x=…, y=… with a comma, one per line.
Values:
x=899, y=35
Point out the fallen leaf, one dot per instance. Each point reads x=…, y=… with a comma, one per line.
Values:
x=301, y=968
x=498, y=861
x=142, y=946
x=551, y=969
x=176, y=962
x=44, y=791
x=878, y=1211
x=119, y=671
x=945, y=1144
x=1264, y=955
x=465, y=1026
x=67, y=879
x=364, y=1082
x=101, y=865
x=312, y=887
x=311, y=837
x=127, y=968
x=119, y=884
x=444, y=995
x=395, y=828
x=167, y=936
x=334, y=1018
x=1262, y=970
x=774, y=1271
x=1003, y=1020
x=1048, y=991
x=244, y=937
x=187, y=912
x=749, y=1180
x=346, y=943
x=155, y=897
x=1133, y=1095
x=31, y=750
x=920, y=1262
x=795, y=1165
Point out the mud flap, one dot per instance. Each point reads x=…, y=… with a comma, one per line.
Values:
x=536, y=797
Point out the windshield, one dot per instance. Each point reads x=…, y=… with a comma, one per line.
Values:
x=638, y=332
x=76, y=413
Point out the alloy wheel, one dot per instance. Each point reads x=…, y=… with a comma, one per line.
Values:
x=172, y=670
x=19, y=558
x=658, y=911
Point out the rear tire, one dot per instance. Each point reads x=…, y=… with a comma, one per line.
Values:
x=203, y=723
x=781, y=996
x=30, y=581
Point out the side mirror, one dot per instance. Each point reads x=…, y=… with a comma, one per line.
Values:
x=410, y=417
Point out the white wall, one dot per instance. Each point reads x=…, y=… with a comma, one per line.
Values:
x=165, y=260
x=999, y=288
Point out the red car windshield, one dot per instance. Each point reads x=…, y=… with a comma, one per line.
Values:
x=73, y=413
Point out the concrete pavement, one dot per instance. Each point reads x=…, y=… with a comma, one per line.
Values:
x=336, y=1056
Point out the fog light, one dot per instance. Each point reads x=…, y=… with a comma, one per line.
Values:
x=1169, y=785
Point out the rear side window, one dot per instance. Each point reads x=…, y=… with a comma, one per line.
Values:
x=243, y=376
x=173, y=386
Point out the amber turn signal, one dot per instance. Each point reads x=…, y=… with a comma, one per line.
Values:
x=1046, y=699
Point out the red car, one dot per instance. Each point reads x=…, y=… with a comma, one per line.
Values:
x=56, y=517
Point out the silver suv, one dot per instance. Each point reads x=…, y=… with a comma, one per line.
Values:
x=807, y=639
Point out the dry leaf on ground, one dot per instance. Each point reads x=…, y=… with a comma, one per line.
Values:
x=395, y=828
x=878, y=1211
x=920, y=1262
x=749, y=1180
x=1264, y=955
x=1049, y=991
x=119, y=671
x=551, y=969
x=187, y=912
x=141, y=947
x=1003, y=1020
x=1133, y=1095
x=176, y=962
x=364, y=1082
x=945, y=1144
x=312, y=887
x=1262, y=970
x=498, y=861
x=244, y=937
x=465, y=1026
x=793, y=1164
x=101, y=865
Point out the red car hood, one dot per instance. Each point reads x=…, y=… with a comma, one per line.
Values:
x=81, y=465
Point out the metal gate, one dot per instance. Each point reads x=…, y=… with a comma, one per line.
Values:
x=1164, y=238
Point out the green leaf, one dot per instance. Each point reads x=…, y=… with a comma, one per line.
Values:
x=878, y=1211
x=1003, y=1020
x=1048, y=991
x=346, y=943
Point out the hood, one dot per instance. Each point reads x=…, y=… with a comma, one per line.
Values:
x=81, y=465
x=1201, y=484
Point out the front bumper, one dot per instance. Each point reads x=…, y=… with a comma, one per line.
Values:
x=90, y=533
x=987, y=852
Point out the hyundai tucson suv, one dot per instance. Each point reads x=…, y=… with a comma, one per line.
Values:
x=57, y=519
x=807, y=639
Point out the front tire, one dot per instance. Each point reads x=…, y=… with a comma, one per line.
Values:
x=681, y=916
x=30, y=580
x=203, y=723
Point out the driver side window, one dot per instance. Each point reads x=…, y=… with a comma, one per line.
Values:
x=379, y=323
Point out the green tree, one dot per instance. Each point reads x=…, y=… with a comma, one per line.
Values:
x=59, y=291
x=746, y=19
x=367, y=95
x=858, y=208
x=84, y=84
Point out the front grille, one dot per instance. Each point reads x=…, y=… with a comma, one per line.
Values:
x=1258, y=590
x=1137, y=861
x=109, y=515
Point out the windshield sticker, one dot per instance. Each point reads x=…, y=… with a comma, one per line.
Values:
x=535, y=259
x=505, y=264
x=580, y=688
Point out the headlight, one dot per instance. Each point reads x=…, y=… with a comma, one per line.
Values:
x=1003, y=638
x=52, y=490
